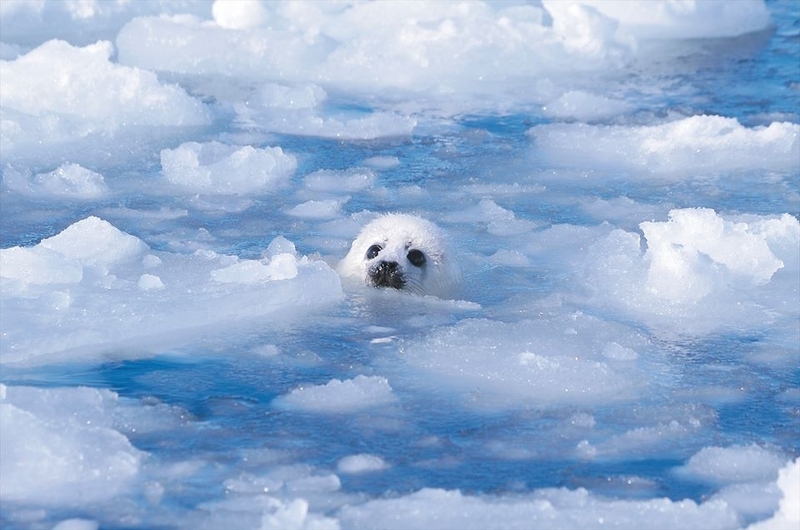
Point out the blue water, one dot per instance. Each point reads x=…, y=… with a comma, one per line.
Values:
x=228, y=391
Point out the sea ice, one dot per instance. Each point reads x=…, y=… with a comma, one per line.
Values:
x=788, y=513
x=687, y=147
x=695, y=264
x=60, y=447
x=361, y=463
x=58, y=92
x=68, y=180
x=93, y=285
x=664, y=19
x=527, y=363
x=361, y=392
x=548, y=509
x=216, y=168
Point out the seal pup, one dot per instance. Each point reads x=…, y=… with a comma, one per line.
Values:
x=404, y=252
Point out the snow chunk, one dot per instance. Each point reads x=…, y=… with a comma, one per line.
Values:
x=148, y=282
x=324, y=209
x=57, y=92
x=280, y=245
x=788, y=514
x=665, y=19
x=58, y=449
x=217, y=168
x=549, y=508
x=698, y=144
x=542, y=362
x=38, y=265
x=94, y=241
x=77, y=524
x=498, y=220
x=241, y=14
x=584, y=106
x=434, y=48
x=733, y=464
x=92, y=287
x=699, y=270
x=68, y=180
x=361, y=392
x=362, y=463
x=678, y=251
x=280, y=267
x=585, y=30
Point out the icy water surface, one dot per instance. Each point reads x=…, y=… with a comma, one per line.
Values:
x=623, y=189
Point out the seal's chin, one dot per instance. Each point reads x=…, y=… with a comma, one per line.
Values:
x=386, y=274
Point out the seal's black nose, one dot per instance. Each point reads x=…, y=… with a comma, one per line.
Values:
x=387, y=274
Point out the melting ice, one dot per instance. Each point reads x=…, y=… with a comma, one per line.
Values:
x=179, y=180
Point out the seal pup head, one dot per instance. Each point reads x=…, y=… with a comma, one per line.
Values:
x=403, y=252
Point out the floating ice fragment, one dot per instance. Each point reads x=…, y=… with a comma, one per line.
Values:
x=217, y=168
x=521, y=363
x=241, y=14
x=437, y=509
x=666, y=19
x=584, y=106
x=94, y=241
x=724, y=465
x=57, y=92
x=68, y=180
x=684, y=147
x=686, y=252
x=52, y=458
x=280, y=245
x=91, y=288
x=77, y=524
x=361, y=392
x=149, y=282
x=280, y=267
x=361, y=463
x=322, y=209
x=788, y=514
x=700, y=271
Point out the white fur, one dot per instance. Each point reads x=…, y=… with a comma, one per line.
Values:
x=397, y=234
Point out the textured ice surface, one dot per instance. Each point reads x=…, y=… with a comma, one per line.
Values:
x=179, y=177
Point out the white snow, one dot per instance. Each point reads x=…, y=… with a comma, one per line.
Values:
x=788, y=513
x=548, y=508
x=216, y=168
x=178, y=176
x=63, y=447
x=529, y=363
x=700, y=270
x=361, y=463
x=68, y=180
x=663, y=19
x=70, y=288
x=687, y=147
x=734, y=464
x=337, y=396
x=58, y=92
x=584, y=106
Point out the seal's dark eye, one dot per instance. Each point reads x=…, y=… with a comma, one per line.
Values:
x=373, y=251
x=416, y=257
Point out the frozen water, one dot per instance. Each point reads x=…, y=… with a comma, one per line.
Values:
x=620, y=180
